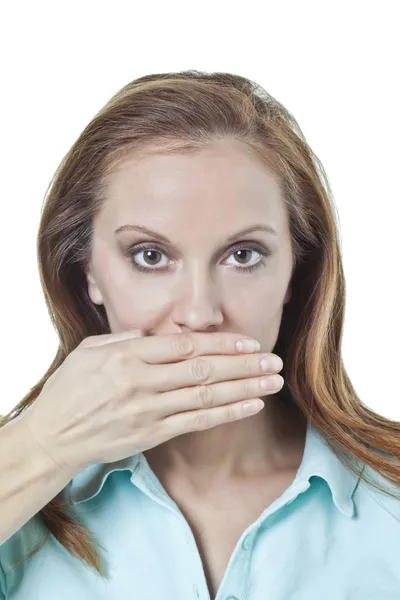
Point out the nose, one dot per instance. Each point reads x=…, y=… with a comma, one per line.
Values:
x=197, y=304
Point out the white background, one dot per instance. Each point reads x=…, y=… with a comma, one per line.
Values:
x=334, y=65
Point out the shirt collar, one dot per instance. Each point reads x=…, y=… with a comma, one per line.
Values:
x=319, y=460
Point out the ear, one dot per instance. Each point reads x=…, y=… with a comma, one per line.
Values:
x=93, y=289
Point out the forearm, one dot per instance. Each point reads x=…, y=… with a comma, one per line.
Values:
x=29, y=478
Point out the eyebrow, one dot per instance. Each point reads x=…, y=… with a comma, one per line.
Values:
x=163, y=238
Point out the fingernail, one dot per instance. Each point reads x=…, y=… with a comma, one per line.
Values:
x=271, y=363
x=253, y=406
x=247, y=345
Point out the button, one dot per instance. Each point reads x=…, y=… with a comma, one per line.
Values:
x=231, y=598
x=247, y=542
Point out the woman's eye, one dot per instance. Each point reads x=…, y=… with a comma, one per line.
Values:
x=241, y=256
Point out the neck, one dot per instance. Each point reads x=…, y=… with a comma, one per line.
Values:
x=261, y=445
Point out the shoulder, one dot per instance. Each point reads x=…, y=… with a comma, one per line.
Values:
x=385, y=500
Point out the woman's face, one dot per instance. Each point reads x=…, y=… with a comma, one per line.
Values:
x=196, y=279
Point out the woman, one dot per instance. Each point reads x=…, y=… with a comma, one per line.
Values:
x=292, y=502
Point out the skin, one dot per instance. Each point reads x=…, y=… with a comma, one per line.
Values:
x=197, y=201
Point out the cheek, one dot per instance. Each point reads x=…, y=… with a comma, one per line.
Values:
x=260, y=298
x=135, y=303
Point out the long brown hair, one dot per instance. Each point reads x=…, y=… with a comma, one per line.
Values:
x=182, y=112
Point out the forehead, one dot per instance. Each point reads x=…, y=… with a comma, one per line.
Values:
x=222, y=181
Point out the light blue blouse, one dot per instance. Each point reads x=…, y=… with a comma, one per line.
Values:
x=327, y=537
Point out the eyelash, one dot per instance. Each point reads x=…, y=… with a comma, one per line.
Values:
x=265, y=253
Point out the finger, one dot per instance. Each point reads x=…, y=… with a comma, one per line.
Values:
x=110, y=338
x=178, y=347
x=198, y=420
x=204, y=370
x=205, y=397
